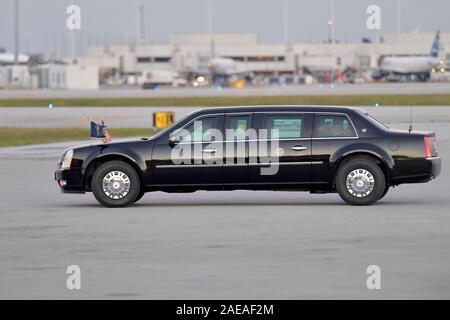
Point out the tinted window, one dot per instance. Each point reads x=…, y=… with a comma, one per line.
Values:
x=328, y=126
x=376, y=122
x=199, y=130
x=285, y=126
x=237, y=126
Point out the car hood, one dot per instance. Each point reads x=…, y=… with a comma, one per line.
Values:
x=116, y=142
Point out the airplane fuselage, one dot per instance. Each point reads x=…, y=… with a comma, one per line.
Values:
x=409, y=65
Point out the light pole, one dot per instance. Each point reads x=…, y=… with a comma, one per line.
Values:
x=331, y=21
x=140, y=23
x=286, y=22
x=16, y=35
x=72, y=42
x=399, y=18
x=331, y=25
x=210, y=28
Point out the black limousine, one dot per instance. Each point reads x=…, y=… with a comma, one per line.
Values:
x=319, y=149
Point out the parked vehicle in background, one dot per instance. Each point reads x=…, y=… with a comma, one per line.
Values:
x=156, y=78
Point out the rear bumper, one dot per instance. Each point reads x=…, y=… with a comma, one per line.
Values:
x=69, y=181
x=435, y=164
x=416, y=170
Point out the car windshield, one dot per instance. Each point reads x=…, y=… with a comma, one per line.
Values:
x=376, y=122
x=160, y=133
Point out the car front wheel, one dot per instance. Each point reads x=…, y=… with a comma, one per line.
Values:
x=360, y=181
x=116, y=184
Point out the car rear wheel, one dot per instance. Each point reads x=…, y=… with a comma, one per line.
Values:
x=384, y=192
x=360, y=181
x=140, y=195
x=116, y=184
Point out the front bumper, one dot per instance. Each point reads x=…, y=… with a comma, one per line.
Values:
x=70, y=181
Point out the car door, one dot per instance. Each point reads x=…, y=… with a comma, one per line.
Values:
x=331, y=132
x=194, y=157
x=288, y=137
x=236, y=145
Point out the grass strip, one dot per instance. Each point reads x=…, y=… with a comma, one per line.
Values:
x=354, y=100
x=25, y=136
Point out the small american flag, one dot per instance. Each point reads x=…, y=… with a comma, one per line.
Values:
x=98, y=130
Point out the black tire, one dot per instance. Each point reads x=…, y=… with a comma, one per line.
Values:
x=366, y=168
x=385, y=191
x=140, y=195
x=133, y=184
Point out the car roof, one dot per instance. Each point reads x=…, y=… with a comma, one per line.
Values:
x=272, y=108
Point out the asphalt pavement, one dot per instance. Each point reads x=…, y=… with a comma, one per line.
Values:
x=142, y=117
x=224, y=245
x=291, y=90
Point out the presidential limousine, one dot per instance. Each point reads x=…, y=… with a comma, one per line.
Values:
x=319, y=149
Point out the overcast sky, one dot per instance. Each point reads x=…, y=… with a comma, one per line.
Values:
x=43, y=22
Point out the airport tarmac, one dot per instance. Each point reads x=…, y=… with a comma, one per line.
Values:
x=291, y=90
x=220, y=245
x=142, y=117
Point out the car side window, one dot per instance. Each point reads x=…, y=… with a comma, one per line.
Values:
x=329, y=126
x=285, y=126
x=237, y=126
x=198, y=130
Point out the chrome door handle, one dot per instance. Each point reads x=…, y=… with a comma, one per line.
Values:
x=209, y=150
x=299, y=148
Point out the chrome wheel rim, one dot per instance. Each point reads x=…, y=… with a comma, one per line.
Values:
x=116, y=185
x=360, y=183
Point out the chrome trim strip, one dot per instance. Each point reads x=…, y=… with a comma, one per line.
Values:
x=284, y=111
x=336, y=138
x=237, y=164
x=271, y=112
x=280, y=163
x=249, y=113
x=258, y=140
x=187, y=165
x=198, y=117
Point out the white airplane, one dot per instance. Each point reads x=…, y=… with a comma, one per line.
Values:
x=213, y=69
x=223, y=66
x=9, y=58
x=224, y=70
x=393, y=68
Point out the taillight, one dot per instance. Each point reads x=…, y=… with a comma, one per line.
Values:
x=428, y=149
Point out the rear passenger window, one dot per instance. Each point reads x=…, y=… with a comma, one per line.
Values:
x=329, y=126
x=285, y=126
x=237, y=126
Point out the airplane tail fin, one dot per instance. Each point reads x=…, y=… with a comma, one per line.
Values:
x=435, y=47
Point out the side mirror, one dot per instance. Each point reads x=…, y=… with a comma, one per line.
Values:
x=173, y=139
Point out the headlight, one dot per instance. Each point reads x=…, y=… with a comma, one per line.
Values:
x=67, y=159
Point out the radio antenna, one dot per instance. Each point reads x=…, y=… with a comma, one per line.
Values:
x=410, y=119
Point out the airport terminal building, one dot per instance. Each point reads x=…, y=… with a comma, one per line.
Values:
x=188, y=52
x=187, y=55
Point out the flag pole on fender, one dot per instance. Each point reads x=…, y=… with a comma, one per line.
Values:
x=98, y=130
